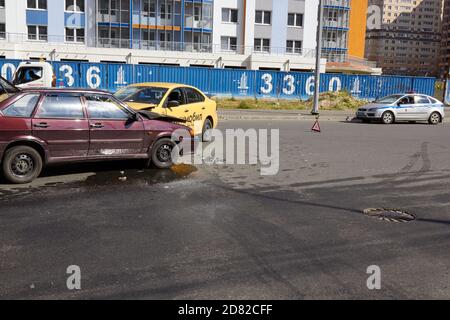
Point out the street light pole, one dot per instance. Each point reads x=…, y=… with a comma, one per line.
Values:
x=315, y=110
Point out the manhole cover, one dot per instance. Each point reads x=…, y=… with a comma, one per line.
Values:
x=391, y=215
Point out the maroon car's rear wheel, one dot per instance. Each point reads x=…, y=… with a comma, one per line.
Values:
x=162, y=153
x=22, y=164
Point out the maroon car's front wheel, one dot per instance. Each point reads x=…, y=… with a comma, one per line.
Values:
x=162, y=153
x=22, y=164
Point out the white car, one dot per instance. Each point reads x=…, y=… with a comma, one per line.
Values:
x=403, y=107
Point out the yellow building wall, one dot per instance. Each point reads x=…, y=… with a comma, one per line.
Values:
x=358, y=25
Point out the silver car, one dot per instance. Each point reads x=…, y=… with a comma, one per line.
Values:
x=403, y=107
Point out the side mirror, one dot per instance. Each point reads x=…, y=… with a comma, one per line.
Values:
x=173, y=104
x=133, y=117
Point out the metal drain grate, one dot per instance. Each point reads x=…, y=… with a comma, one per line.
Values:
x=391, y=215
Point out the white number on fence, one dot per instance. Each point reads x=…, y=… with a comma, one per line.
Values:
x=68, y=74
x=310, y=83
x=335, y=81
x=268, y=86
x=93, y=78
x=290, y=82
x=6, y=67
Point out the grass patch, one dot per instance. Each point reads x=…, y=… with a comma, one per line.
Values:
x=328, y=101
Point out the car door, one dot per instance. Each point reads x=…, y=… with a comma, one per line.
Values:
x=113, y=134
x=61, y=122
x=175, y=104
x=423, y=107
x=406, y=108
x=196, y=106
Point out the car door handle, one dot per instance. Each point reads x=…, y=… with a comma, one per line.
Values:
x=97, y=126
x=41, y=125
x=203, y=108
x=186, y=110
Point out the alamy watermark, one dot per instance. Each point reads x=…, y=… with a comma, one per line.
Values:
x=232, y=147
x=74, y=280
x=374, y=280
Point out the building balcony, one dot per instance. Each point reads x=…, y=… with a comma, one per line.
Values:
x=190, y=22
x=113, y=16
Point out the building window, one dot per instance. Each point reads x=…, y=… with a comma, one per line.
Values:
x=229, y=15
x=2, y=30
x=294, y=46
x=37, y=4
x=262, y=45
x=149, y=9
x=166, y=11
x=295, y=20
x=263, y=17
x=74, y=35
x=37, y=33
x=2, y=3
x=229, y=43
x=197, y=13
x=75, y=5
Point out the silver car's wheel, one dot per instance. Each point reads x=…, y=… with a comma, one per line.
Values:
x=435, y=118
x=388, y=117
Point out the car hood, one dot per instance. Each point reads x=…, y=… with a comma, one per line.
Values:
x=141, y=106
x=157, y=116
x=374, y=105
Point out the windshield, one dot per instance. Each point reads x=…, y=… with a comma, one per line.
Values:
x=149, y=95
x=6, y=87
x=28, y=74
x=389, y=99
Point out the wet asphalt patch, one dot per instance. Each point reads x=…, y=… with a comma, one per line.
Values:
x=114, y=174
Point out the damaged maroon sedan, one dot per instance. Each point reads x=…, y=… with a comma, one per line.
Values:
x=45, y=126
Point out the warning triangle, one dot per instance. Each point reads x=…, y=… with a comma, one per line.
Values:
x=316, y=127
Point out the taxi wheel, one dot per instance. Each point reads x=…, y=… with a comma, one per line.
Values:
x=435, y=118
x=388, y=117
x=206, y=133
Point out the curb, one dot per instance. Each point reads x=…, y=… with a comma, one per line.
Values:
x=235, y=116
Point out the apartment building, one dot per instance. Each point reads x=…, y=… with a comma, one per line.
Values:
x=252, y=34
x=335, y=29
x=408, y=41
x=444, y=66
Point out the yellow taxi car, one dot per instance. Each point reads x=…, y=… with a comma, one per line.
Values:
x=175, y=100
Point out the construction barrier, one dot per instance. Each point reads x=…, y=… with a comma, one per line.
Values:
x=229, y=82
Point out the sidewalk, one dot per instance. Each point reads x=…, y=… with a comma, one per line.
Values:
x=237, y=114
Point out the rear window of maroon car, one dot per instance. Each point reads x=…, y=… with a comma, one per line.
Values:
x=22, y=108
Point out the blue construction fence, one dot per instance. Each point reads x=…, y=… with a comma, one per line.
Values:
x=229, y=82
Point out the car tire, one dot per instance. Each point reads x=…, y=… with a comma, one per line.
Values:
x=435, y=118
x=388, y=118
x=162, y=153
x=206, y=133
x=22, y=164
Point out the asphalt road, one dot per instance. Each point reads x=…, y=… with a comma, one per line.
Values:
x=226, y=232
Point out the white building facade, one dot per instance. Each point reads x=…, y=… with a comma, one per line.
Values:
x=248, y=34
